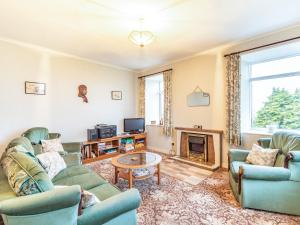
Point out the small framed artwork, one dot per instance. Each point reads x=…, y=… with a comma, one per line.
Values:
x=116, y=95
x=35, y=88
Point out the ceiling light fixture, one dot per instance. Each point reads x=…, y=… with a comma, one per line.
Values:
x=141, y=37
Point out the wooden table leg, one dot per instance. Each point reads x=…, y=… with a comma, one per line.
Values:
x=158, y=174
x=116, y=174
x=130, y=178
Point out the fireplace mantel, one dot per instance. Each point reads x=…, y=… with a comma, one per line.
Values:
x=199, y=130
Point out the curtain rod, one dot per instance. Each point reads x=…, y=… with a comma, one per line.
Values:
x=263, y=46
x=155, y=73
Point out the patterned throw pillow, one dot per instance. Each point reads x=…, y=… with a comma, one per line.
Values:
x=52, y=145
x=262, y=156
x=87, y=198
x=24, y=174
x=52, y=162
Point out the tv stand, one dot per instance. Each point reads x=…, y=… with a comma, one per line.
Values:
x=110, y=147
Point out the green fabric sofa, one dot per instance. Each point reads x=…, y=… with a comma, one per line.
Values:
x=275, y=188
x=60, y=206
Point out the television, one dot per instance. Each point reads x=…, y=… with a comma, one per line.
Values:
x=134, y=125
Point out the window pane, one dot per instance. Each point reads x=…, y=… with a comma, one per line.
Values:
x=276, y=102
x=153, y=98
x=286, y=65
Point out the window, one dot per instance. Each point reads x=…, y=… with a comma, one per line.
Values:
x=154, y=98
x=271, y=94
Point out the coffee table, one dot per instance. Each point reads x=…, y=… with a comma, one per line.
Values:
x=125, y=164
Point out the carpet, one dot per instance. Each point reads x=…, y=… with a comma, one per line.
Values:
x=176, y=202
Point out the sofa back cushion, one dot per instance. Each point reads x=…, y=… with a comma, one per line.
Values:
x=24, y=174
x=285, y=142
x=36, y=134
x=23, y=141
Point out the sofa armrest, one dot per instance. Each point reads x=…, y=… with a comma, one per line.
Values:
x=54, y=135
x=43, y=202
x=72, y=147
x=110, y=208
x=72, y=159
x=268, y=173
x=237, y=155
x=264, y=142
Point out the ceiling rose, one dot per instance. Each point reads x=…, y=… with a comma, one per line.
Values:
x=141, y=37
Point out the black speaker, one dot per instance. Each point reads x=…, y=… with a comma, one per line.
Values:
x=92, y=134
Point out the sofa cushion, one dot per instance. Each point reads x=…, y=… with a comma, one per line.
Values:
x=36, y=134
x=52, y=145
x=72, y=159
x=71, y=171
x=52, y=162
x=23, y=141
x=5, y=190
x=234, y=169
x=24, y=174
x=104, y=191
x=285, y=142
x=86, y=181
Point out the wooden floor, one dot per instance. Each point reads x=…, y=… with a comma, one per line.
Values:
x=190, y=174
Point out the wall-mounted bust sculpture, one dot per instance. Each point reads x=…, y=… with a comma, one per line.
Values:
x=82, y=92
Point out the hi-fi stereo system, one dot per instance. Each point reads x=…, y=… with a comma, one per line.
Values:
x=101, y=131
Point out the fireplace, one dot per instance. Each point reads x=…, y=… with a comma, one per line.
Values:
x=197, y=147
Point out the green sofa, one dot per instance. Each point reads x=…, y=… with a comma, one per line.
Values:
x=275, y=188
x=60, y=206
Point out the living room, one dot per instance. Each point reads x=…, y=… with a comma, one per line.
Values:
x=150, y=112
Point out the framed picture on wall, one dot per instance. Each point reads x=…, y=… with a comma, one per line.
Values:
x=35, y=88
x=116, y=95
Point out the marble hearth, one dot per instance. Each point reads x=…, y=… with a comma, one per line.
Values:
x=199, y=147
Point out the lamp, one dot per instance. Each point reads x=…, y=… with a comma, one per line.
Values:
x=141, y=37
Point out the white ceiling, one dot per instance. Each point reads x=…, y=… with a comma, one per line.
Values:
x=98, y=29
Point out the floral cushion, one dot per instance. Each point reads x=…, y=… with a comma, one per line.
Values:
x=52, y=145
x=52, y=162
x=87, y=198
x=262, y=156
x=25, y=175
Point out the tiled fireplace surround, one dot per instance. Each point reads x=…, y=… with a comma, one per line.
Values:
x=213, y=144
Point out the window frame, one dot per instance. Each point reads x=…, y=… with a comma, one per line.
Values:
x=247, y=127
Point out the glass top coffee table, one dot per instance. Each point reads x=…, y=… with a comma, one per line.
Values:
x=126, y=163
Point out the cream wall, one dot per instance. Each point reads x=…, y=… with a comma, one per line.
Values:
x=207, y=70
x=60, y=109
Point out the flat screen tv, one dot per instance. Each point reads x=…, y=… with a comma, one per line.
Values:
x=134, y=125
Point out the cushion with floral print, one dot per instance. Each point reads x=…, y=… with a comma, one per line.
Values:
x=262, y=156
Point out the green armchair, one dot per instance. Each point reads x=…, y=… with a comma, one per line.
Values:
x=275, y=188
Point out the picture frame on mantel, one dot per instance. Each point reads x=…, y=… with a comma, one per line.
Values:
x=35, y=88
x=116, y=95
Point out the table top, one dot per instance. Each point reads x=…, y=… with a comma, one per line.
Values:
x=136, y=160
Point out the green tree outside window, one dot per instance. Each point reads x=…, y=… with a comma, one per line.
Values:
x=281, y=108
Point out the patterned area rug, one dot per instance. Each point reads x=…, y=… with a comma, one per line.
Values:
x=176, y=202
